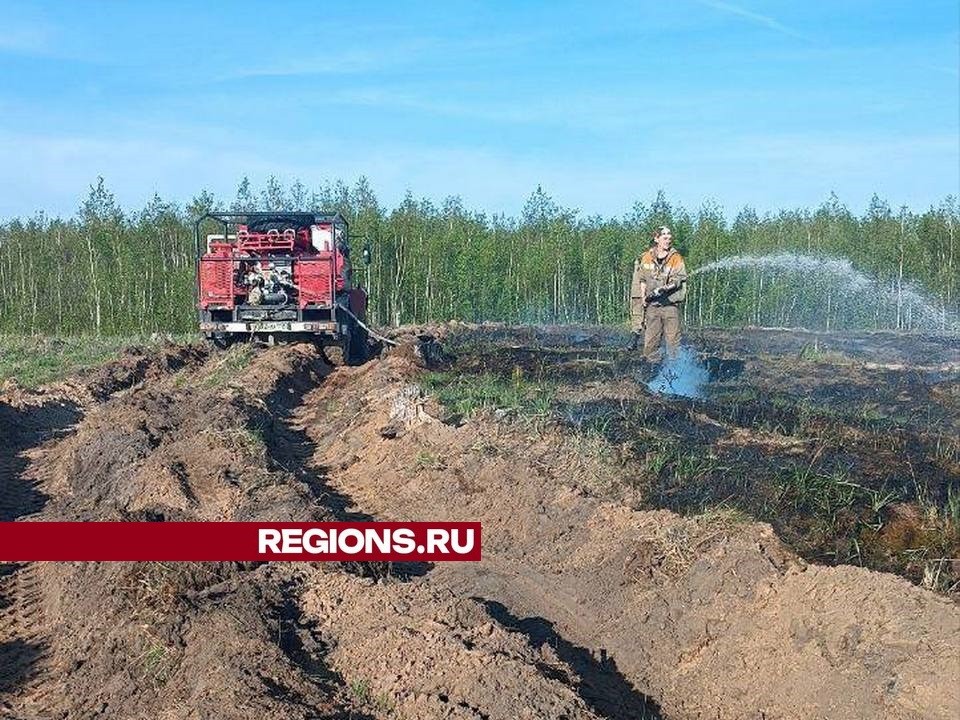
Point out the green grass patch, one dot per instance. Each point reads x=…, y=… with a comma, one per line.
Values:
x=233, y=361
x=36, y=360
x=247, y=440
x=159, y=663
x=672, y=463
x=363, y=695
x=467, y=394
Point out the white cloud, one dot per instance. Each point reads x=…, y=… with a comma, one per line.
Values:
x=754, y=17
x=383, y=52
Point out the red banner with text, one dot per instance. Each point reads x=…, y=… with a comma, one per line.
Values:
x=200, y=541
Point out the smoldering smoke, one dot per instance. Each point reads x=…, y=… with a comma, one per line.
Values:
x=683, y=374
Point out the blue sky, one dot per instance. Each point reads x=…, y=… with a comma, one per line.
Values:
x=772, y=104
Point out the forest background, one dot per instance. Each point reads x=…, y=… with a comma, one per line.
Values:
x=110, y=271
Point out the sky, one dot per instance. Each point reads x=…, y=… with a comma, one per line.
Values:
x=772, y=104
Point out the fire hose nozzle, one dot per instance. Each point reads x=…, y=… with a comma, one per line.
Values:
x=660, y=292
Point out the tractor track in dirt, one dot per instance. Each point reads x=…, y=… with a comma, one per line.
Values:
x=21, y=643
x=20, y=648
x=27, y=424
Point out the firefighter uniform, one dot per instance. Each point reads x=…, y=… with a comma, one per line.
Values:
x=636, y=299
x=660, y=315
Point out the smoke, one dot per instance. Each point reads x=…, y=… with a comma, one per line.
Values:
x=683, y=374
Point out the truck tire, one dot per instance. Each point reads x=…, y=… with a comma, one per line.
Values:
x=353, y=340
x=356, y=351
x=222, y=341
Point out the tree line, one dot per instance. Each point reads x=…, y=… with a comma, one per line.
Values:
x=110, y=271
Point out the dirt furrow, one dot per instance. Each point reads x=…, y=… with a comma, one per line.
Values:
x=442, y=654
x=146, y=639
x=582, y=607
x=198, y=640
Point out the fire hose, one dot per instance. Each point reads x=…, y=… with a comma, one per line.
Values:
x=369, y=330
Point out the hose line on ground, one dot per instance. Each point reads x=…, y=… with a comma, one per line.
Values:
x=369, y=330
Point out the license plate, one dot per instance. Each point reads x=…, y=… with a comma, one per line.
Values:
x=267, y=326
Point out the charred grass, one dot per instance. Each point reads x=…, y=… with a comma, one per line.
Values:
x=849, y=465
x=837, y=491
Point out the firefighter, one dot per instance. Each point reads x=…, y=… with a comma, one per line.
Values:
x=657, y=292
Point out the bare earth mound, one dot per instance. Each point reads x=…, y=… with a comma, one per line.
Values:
x=219, y=640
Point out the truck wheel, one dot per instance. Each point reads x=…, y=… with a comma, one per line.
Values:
x=357, y=348
x=221, y=341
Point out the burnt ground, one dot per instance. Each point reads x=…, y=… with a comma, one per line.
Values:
x=733, y=555
x=849, y=445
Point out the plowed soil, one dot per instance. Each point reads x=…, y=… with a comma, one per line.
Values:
x=616, y=581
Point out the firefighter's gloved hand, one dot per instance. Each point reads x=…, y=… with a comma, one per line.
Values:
x=655, y=294
x=662, y=291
